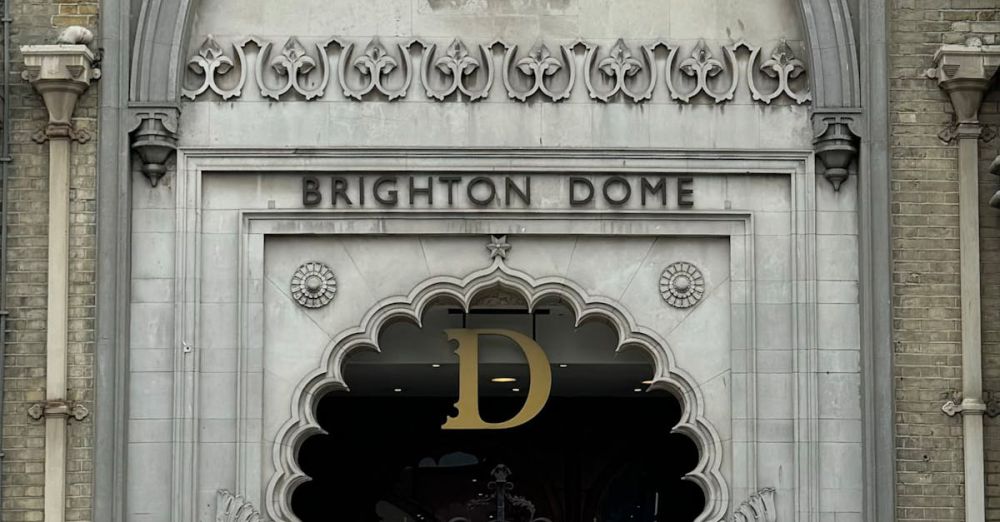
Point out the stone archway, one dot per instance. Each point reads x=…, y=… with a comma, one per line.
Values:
x=303, y=422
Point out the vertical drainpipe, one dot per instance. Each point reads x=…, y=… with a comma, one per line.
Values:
x=5, y=160
x=964, y=73
x=60, y=73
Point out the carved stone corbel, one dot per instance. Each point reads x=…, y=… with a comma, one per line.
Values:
x=234, y=508
x=835, y=137
x=154, y=139
x=758, y=508
x=60, y=74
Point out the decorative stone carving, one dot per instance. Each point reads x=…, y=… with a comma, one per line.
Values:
x=836, y=137
x=314, y=285
x=234, y=508
x=293, y=64
x=539, y=66
x=682, y=285
x=457, y=64
x=154, y=139
x=784, y=67
x=210, y=63
x=758, y=508
x=377, y=65
x=498, y=247
x=67, y=409
x=546, y=71
x=703, y=67
x=620, y=67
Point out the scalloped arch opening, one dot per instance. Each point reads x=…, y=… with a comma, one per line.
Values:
x=497, y=289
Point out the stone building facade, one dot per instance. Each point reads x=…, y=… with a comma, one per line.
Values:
x=764, y=198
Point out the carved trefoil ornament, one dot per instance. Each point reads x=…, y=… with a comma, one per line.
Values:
x=314, y=285
x=625, y=70
x=758, y=508
x=458, y=65
x=682, y=285
x=378, y=70
x=539, y=67
x=234, y=508
x=211, y=63
x=620, y=69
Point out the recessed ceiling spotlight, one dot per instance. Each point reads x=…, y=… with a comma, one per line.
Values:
x=638, y=390
x=515, y=390
x=503, y=379
x=648, y=382
x=435, y=365
x=398, y=390
x=564, y=366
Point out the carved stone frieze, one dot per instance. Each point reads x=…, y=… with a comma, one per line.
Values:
x=456, y=63
x=625, y=70
x=539, y=67
x=995, y=170
x=619, y=68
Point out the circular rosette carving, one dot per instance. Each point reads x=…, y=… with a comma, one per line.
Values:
x=682, y=285
x=314, y=285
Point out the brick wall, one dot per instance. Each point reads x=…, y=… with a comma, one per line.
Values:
x=39, y=21
x=926, y=262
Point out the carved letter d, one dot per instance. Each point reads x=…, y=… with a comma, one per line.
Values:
x=468, y=380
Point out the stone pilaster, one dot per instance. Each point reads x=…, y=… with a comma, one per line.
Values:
x=60, y=74
x=964, y=72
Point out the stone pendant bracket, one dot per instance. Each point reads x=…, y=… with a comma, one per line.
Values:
x=154, y=139
x=836, y=138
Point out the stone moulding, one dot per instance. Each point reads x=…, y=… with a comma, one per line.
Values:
x=627, y=71
x=758, y=508
x=328, y=377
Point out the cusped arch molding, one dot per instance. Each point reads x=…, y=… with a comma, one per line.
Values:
x=303, y=422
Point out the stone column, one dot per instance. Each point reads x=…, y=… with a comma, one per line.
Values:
x=60, y=73
x=964, y=73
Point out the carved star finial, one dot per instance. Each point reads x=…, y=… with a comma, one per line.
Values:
x=498, y=247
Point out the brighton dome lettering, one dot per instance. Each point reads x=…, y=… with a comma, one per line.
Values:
x=518, y=191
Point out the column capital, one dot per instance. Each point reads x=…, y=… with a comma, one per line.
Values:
x=964, y=72
x=60, y=73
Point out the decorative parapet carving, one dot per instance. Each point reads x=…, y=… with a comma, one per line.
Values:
x=626, y=70
x=234, y=508
x=61, y=73
x=154, y=139
x=758, y=508
x=835, y=135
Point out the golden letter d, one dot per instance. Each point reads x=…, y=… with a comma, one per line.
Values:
x=468, y=380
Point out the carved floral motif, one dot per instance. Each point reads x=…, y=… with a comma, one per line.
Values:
x=618, y=68
x=293, y=64
x=622, y=71
x=783, y=66
x=758, y=508
x=234, y=508
x=314, y=285
x=539, y=66
x=682, y=285
x=458, y=64
x=210, y=62
x=377, y=65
